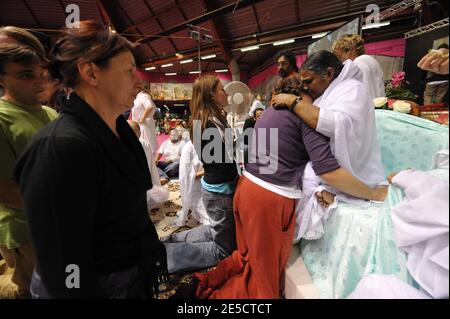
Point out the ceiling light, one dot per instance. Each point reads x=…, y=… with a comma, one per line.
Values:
x=319, y=35
x=376, y=25
x=208, y=56
x=284, y=42
x=186, y=61
x=224, y=70
x=150, y=68
x=166, y=65
x=194, y=72
x=255, y=47
x=171, y=74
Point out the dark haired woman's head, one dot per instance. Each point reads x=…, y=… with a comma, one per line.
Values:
x=286, y=63
x=93, y=59
x=291, y=85
x=318, y=71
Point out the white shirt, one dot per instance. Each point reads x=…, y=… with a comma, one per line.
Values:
x=373, y=78
x=171, y=151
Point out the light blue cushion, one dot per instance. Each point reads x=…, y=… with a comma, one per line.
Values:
x=408, y=141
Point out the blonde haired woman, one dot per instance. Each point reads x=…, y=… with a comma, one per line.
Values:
x=206, y=245
x=351, y=46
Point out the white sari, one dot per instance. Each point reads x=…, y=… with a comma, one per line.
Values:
x=190, y=187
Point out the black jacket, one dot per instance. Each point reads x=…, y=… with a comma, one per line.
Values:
x=84, y=191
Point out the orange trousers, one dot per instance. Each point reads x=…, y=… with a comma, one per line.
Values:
x=265, y=224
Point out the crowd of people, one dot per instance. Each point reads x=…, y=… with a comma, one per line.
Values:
x=76, y=186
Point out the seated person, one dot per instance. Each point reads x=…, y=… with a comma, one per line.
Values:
x=171, y=150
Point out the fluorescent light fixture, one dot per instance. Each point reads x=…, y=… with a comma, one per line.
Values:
x=208, y=56
x=220, y=71
x=284, y=42
x=194, y=72
x=171, y=74
x=319, y=35
x=150, y=68
x=166, y=65
x=376, y=25
x=254, y=47
x=186, y=61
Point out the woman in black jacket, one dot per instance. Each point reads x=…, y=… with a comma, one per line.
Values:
x=84, y=178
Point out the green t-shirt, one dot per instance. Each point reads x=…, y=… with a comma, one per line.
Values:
x=17, y=128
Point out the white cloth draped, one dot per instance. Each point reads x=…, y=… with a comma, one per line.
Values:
x=190, y=187
x=421, y=227
x=373, y=78
x=347, y=117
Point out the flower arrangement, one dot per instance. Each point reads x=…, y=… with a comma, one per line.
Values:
x=396, y=89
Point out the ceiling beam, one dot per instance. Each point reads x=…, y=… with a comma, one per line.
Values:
x=159, y=23
x=160, y=14
x=31, y=12
x=205, y=17
x=181, y=10
x=104, y=13
x=137, y=30
x=256, y=17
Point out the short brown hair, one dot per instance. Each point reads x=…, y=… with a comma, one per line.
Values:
x=24, y=38
x=12, y=53
x=349, y=42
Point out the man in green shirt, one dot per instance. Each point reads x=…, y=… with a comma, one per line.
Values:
x=23, y=79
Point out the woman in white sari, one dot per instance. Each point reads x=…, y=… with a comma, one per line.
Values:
x=338, y=106
x=142, y=113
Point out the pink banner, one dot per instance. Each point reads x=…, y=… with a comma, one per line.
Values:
x=394, y=48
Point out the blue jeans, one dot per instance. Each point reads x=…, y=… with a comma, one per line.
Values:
x=204, y=246
x=171, y=170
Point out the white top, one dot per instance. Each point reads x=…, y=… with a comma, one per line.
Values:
x=373, y=78
x=142, y=102
x=171, y=151
x=347, y=117
x=286, y=191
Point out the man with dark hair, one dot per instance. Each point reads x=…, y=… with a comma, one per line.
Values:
x=286, y=63
x=23, y=79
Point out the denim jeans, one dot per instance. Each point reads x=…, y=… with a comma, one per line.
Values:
x=171, y=170
x=206, y=245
